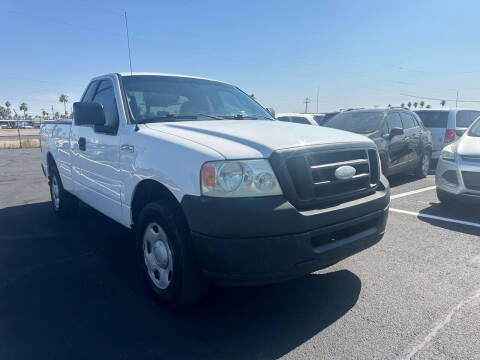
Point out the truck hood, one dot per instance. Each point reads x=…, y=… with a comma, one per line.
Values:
x=242, y=139
x=469, y=145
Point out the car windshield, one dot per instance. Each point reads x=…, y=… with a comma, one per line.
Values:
x=153, y=98
x=475, y=129
x=362, y=122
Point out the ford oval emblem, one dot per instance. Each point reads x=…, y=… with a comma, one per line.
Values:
x=345, y=172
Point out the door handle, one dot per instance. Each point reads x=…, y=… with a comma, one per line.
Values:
x=127, y=148
x=82, y=142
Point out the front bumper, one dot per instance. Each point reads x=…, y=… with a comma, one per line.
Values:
x=443, y=180
x=251, y=241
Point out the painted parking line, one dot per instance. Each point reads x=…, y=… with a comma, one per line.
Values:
x=412, y=192
x=433, y=217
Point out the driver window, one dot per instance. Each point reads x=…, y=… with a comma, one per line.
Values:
x=106, y=97
x=394, y=120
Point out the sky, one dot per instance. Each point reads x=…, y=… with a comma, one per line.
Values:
x=349, y=53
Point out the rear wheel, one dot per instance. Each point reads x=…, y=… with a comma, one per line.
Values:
x=64, y=204
x=423, y=166
x=165, y=255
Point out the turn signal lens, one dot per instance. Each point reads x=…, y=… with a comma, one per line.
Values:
x=208, y=175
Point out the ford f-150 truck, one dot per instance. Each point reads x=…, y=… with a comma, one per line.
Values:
x=214, y=188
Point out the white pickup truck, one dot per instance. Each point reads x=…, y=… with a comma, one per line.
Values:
x=213, y=186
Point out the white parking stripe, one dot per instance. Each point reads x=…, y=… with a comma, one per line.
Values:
x=433, y=217
x=412, y=192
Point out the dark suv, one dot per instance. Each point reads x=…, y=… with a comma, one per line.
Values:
x=403, y=142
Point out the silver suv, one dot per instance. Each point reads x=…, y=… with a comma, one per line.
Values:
x=446, y=126
x=458, y=170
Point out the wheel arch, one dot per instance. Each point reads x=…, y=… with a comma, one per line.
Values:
x=147, y=191
x=50, y=163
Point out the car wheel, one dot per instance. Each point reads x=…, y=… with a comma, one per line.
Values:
x=166, y=257
x=64, y=204
x=423, y=166
x=444, y=197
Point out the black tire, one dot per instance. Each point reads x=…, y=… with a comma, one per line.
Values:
x=67, y=204
x=187, y=283
x=423, y=167
x=444, y=197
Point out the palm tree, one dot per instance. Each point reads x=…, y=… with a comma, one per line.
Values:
x=422, y=104
x=252, y=96
x=7, y=105
x=428, y=106
x=44, y=113
x=409, y=104
x=23, y=107
x=415, y=104
x=443, y=102
x=64, y=99
x=402, y=105
x=57, y=115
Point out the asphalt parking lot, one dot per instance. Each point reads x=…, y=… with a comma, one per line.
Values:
x=72, y=290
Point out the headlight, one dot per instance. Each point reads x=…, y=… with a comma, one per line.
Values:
x=239, y=178
x=448, y=153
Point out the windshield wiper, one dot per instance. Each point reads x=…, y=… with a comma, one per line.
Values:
x=170, y=117
x=245, y=117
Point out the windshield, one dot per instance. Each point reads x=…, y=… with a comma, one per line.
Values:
x=153, y=98
x=475, y=130
x=363, y=122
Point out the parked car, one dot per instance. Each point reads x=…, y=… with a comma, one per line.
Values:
x=307, y=119
x=458, y=170
x=213, y=186
x=446, y=126
x=403, y=142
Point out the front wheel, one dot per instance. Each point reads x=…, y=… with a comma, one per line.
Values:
x=165, y=255
x=423, y=166
x=64, y=204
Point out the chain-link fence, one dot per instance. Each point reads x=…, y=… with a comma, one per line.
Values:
x=16, y=134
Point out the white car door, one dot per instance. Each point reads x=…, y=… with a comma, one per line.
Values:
x=98, y=178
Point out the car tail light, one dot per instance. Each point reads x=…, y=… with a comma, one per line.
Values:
x=450, y=135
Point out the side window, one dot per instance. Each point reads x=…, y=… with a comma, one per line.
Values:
x=407, y=121
x=88, y=96
x=106, y=97
x=394, y=120
x=283, y=118
x=299, y=120
x=466, y=117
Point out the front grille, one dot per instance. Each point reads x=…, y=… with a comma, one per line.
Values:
x=471, y=180
x=307, y=176
x=471, y=158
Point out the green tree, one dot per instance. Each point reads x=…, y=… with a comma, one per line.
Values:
x=409, y=104
x=23, y=107
x=44, y=114
x=3, y=113
x=428, y=106
x=7, y=105
x=422, y=104
x=402, y=105
x=252, y=96
x=415, y=104
x=64, y=99
x=57, y=115
x=443, y=102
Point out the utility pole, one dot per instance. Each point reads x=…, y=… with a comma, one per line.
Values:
x=53, y=115
x=306, y=102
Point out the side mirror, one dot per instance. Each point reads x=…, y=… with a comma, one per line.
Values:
x=271, y=111
x=395, y=132
x=88, y=114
